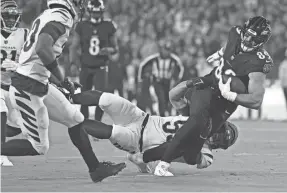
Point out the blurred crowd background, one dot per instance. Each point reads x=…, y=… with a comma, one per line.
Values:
x=197, y=27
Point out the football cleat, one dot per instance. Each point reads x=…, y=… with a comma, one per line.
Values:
x=106, y=169
x=137, y=159
x=5, y=161
x=162, y=170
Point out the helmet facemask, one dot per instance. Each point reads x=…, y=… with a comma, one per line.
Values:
x=10, y=19
x=225, y=137
x=96, y=10
x=256, y=32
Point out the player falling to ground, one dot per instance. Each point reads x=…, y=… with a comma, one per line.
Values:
x=135, y=131
x=165, y=70
x=30, y=88
x=12, y=39
x=243, y=56
x=97, y=40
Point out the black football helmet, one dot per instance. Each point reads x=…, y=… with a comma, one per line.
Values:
x=96, y=9
x=10, y=15
x=256, y=32
x=225, y=137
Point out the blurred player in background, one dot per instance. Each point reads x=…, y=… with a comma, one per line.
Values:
x=165, y=69
x=38, y=62
x=97, y=40
x=243, y=56
x=12, y=39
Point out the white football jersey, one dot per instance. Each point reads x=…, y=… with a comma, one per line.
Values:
x=30, y=63
x=159, y=128
x=10, y=49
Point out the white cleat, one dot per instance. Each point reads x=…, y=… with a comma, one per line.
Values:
x=162, y=170
x=5, y=161
x=137, y=159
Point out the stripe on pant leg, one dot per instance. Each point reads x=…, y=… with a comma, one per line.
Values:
x=26, y=107
x=35, y=138
x=31, y=130
x=22, y=94
x=27, y=118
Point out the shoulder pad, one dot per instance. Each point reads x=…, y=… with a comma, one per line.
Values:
x=110, y=21
x=62, y=16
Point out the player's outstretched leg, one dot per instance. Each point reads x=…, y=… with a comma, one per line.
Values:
x=98, y=171
x=4, y=159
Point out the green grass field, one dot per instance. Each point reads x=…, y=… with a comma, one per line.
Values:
x=257, y=162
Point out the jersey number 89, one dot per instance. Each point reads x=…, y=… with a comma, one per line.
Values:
x=94, y=46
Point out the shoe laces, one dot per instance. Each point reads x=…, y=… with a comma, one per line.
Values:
x=107, y=163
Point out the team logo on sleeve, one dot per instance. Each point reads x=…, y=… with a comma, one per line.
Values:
x=267, y=68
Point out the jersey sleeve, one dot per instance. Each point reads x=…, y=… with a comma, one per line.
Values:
x=112, y=27
x=54, y=29
x=78, y=28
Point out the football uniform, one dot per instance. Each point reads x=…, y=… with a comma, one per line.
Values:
x=93, y=37
x=10, y=49
x=134, y=130
x=30, y=93
x=94, y=66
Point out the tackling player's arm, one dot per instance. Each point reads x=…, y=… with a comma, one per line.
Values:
x=176, y=96
x=256, y=90
x=44, y=47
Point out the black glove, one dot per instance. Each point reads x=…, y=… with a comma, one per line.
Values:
x=70, y=86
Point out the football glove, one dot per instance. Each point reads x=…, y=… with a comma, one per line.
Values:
x=70, y=86
x=206, y=158
x=225, y=90
x=214, y=57
x=9, y=65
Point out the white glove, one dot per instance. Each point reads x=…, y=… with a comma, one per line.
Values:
x=206, y=159
x=9, y=65
x=214, y=57
x=225, y=90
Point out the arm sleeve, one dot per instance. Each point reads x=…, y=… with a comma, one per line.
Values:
x=54, y=29
x=206, y=158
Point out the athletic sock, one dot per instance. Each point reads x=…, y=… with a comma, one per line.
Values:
x=3, y=126
x=97, y=129
x=18, y=147
x=89, y=98
x=81, y=140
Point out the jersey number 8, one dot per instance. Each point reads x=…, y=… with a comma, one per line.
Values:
x=29, y=43
x=94, y=46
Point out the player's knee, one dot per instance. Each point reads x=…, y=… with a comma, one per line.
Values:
x=77, y=118
x=106, y=99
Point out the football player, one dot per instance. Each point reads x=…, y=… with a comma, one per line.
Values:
x=243, y=56
x=97, y=41
x=135, y=131
x=165, y=69
x=29, y=90
x=12, y=39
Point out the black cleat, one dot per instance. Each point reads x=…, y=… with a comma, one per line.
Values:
x=105, y=170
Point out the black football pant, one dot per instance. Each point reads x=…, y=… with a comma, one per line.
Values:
x=97, y=77
x=205, y=109
x=162, y=91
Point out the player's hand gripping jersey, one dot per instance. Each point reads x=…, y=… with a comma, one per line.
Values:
x=30, y=63
x=10, y=49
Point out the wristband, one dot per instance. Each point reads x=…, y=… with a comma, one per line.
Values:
x=220, y=52
x=52, y=65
